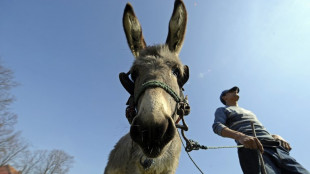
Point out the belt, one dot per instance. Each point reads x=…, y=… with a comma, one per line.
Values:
x=269, y=143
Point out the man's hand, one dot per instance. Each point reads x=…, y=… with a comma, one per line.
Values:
x=283, y=142
x=247, y=141
x=250, y=142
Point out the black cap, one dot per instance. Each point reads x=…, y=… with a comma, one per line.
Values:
x=235, y=88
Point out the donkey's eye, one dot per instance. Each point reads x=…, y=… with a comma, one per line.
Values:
x=134, y=75
x=176, y=72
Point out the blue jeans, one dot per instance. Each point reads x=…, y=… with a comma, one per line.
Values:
x=277, y=161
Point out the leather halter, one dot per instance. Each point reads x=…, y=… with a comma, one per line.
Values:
x=182, y=106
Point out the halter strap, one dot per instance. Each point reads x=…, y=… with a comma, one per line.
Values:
x=155, y=84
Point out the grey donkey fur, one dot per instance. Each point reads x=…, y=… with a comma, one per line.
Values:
x=153, y=139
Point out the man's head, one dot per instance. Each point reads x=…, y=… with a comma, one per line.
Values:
x=230, y=95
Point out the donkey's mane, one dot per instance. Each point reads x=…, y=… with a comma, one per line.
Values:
x=158, y=55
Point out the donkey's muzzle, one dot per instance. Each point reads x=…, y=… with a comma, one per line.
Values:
x=152, y=138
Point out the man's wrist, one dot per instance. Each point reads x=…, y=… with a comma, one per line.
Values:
x=239, y=136
x=226, y=132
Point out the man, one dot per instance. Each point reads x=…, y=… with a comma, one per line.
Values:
x=234, y=122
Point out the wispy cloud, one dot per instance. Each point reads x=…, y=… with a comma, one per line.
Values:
x=202, y=75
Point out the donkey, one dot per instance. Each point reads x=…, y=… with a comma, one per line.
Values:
x=157, y=76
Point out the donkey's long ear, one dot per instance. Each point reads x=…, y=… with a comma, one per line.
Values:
x=185, y=76
x=133, y=30
x=177, y=27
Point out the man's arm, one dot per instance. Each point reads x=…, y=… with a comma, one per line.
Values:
x=247, y=141
x=221, y=129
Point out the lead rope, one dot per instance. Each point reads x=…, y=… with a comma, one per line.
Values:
x=190, y=144
x=180, y=107
x=190, y=157
x=194, y=145
x=261, y=159
x=203, y=147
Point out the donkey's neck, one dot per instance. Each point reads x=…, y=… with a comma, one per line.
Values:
x=167, y=162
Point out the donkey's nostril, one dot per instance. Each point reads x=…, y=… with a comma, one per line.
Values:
x=136, y=132
x=170, y=132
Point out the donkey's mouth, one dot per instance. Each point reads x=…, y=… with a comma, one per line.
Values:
x=152, y=139
x=153, y=148
x=152, y=152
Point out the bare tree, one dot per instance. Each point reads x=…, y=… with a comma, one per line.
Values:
x=44, y=162
x=10, y=143
x=28, y=161
x=7, y=119
x=54, y=162
x=11, y=146
x=13, y=150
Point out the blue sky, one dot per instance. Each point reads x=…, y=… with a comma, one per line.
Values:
x=67, y=54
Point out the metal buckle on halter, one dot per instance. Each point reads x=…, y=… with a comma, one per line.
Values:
x=130, y=109
x=183, y=107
